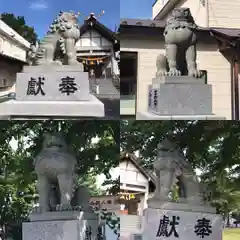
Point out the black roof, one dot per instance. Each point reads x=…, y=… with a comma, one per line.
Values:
x=93, y=23
x=150, y=27
x=142, y=23
x=130, y=22
x=149, y=23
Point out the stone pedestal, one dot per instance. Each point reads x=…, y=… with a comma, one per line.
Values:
x=179, y=98
x=153, y=116
x=56, y=91
x=161, y=224
x=61, y=226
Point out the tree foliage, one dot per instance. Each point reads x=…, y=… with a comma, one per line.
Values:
x=211, y=146
x=95, y=143
x=18, y=24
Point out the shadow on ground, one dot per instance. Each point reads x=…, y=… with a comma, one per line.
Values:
x=112, y=108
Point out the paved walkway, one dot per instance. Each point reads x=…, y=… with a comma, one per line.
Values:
x=110, y=96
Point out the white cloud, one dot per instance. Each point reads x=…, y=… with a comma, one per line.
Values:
x=38, y=5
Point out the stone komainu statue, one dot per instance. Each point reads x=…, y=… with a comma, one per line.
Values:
x=59, y=41
x=180, y=41
x=55, y=168
x=171, y=167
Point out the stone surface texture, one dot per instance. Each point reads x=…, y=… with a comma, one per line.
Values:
x=51, y=85
x=55, y=166
x=53, y=109
x=159, y=204
x=177, y=80
x=52, y=68
x=54, y=104
x=171, y=167
x=59, y=40
x=191, y=217
x=185, y=228
x=60, y=215
x=59, y=230
x=152, y=116
x=180, y=40
x=179, y=99
x=55, y=162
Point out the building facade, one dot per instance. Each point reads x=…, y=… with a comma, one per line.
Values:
x=217, y=54
x=136, y=185
x=13, y=50
x=97, y=48
x=207, y=13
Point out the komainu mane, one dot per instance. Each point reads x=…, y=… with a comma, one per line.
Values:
x=59, y=42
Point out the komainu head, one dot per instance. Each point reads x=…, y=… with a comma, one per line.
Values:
x=180, y=18
x=54, y=141
x=65, y=21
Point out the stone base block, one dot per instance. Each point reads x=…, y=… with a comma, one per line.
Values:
x=172, y=224
x=61, y=215
x=54, y=68
x=152, y=116
x=53, y=109
x=157, y=203
x=60, y=230
x=46, y=85
x=178, y=80
x=178, y=99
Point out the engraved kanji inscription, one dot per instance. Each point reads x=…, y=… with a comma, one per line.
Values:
x=68, y=85
x=35, y=86
x=203, y=227
x=167, y=228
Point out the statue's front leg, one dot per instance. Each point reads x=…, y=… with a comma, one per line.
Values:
x=191, y=61
x=71, y=52
x=165, y=184
x=43, y=188
x=171, y=51
x=65, y=182
x=193, y=194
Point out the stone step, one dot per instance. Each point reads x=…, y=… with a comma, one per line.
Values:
x=130, y=224
x=106, y=88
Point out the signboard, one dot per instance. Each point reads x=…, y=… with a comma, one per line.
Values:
x=127, y=196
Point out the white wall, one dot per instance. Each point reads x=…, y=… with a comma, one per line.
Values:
x=93, y=39
x=8, y=73
x=129, y=174
x=208, y=58
x=12, y=44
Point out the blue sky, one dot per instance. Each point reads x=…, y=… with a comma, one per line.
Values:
x=141, y=9
x=40, y=13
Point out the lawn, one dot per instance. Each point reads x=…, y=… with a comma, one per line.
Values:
x=231, y=234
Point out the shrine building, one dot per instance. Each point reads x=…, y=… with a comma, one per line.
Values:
x=217, y=53
x=97, y=48
x=137, y=184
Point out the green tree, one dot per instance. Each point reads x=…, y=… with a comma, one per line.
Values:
x=89, y=180
x=18, y=24
x=211, y=146
x=17, y=177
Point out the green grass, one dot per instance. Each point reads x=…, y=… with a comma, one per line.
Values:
x=231, y=234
